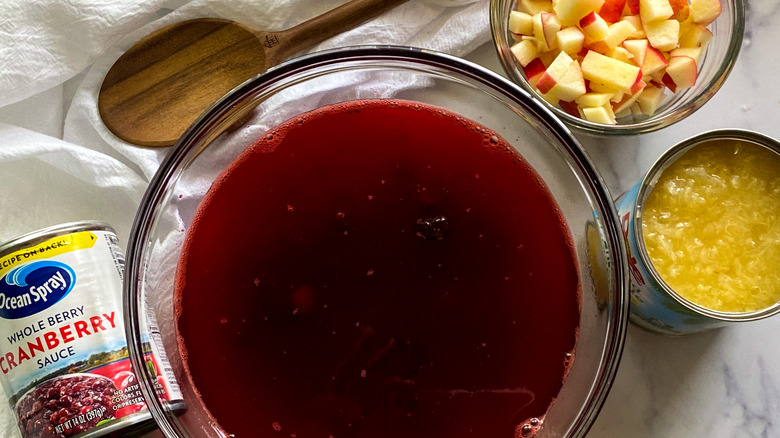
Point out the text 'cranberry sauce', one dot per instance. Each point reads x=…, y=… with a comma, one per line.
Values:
x=378, y=269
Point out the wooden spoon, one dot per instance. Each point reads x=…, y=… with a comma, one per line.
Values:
x=154, y=92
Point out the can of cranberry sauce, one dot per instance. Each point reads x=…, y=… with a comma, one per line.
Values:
x=63, y=353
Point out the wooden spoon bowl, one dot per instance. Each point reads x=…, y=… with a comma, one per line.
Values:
x=158, y=87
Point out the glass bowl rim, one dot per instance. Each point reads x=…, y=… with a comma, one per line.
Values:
x=498, y=30
x=146, y=214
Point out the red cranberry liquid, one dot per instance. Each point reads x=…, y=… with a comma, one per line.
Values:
x=378, y=269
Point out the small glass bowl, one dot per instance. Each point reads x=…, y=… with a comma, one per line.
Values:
x=329, y=77
x=714, y=67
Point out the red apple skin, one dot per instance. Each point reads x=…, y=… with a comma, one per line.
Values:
x=633, y=6
x=569, y=108
x=669, y=82
x=534, y=68
x=638, y=84
x=657, y=84
x=684, y=70
x=588, y=19
x=655, y=52
x=677, y=6
x=546, y=83
x=682, y=14
x=612, y=10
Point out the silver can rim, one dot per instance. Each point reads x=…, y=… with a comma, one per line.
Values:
x=648, y=183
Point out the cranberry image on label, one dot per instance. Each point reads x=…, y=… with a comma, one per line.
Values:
x=66, y=406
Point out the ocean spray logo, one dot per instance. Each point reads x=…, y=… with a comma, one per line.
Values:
x=36, y=286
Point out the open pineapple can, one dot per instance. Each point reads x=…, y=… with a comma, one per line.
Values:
x=702, y=234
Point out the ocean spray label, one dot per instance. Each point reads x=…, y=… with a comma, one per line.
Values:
x=34, y=287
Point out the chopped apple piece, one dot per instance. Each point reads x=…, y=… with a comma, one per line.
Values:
x=525, y=52
x=637, y=49
x=551, y=25
x=695, y=36
x=554, y=101
x=621, y=54
x=571, y=85
x=546, y=26
x=658, y=77
x=639, y=30
x=599, y=68
x=554, y=73
x=680, y=73
x=571, y=40
x=612, y=10
x=598, y=87
x=654, y=10
x=570, y=108
x=549, y=56
x=705, y=12
x=593, y=99
x=663, y=35
x=533, y=7
x=639, y=83
x=594, y=27
x=654, y=61
x=601, y=114
x=684, y=14
x=616, y=34
x=521, y=23
x=621, y=108
x=572, y=11
x=651, y=98
x=533, y=71
x=693, y=52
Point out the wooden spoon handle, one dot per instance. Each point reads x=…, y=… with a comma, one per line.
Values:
x=281, y=45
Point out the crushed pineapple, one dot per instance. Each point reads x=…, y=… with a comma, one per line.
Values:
x=711, y=226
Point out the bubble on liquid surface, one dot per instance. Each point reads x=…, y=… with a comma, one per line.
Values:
x=528, y=428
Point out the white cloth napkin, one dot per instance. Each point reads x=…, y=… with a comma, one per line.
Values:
x=59, y=163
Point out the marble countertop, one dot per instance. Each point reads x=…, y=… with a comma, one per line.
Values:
x=723, y=383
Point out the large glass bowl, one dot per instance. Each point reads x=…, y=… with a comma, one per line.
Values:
x=310, y=82
x=714, y=67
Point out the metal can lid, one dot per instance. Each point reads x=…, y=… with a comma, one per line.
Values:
x=648, y=183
